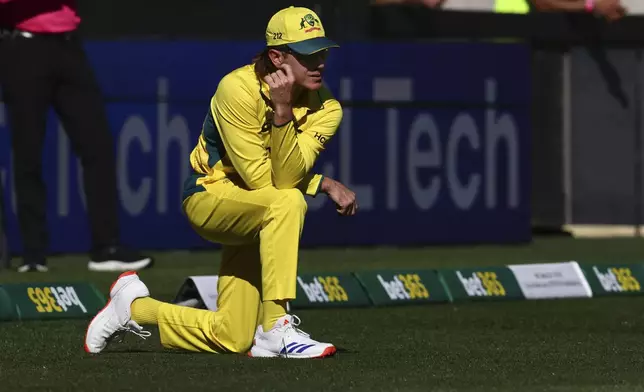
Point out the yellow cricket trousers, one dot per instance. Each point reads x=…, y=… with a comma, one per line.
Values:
x=260, y=232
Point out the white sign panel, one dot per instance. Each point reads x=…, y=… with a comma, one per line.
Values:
x=552, y=280
x=207, y=288
x=206, y=292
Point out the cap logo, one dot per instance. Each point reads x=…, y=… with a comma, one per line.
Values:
x=311, y=21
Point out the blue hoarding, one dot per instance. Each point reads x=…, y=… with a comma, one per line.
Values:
x=435, y=141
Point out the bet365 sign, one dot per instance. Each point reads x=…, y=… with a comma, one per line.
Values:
x=493, y=283
x=615, y=279
x=398, y=287
x=482, y=284
x=404, y=287
x=26, y=301
x=55, y=299
x=328, y=290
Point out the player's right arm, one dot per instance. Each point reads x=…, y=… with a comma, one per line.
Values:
x=234, y=110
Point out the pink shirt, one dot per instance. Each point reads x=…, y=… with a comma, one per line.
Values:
x=39, y=16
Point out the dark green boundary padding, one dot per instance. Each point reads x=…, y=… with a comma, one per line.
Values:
x=386, y=287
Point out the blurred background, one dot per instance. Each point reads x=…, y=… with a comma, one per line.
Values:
x=464, y=123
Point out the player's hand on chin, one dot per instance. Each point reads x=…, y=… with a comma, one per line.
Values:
x=281, y=83
x=343, y=197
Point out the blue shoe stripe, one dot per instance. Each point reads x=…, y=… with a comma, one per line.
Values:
x=289, y=346
x=290, y=350
x=305, y=347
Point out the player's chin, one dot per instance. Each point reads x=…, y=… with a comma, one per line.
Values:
x=313, y=83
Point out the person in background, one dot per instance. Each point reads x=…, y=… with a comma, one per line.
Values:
x=43, y=64
x=611, y=10
x=426, y=3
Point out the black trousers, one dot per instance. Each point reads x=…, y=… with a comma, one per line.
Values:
x=52, y=71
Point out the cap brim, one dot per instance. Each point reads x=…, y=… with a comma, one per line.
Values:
x=312, y=45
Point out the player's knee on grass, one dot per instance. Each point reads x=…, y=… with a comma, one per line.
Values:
x=245, y=344
x=242, y=341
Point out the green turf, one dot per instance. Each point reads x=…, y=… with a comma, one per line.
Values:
x=557, y=345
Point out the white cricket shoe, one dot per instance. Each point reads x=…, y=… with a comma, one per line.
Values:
x=287, y=341
x=115, y=318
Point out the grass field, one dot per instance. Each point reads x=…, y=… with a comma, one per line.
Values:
x=562, y=345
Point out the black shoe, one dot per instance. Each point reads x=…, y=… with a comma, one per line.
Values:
x=33, y=268
x=118, y=259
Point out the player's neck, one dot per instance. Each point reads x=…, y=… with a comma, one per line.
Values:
x=298, y=93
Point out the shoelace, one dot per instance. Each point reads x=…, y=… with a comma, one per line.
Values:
x=292, y=325
x=295, y=322
x=132, y=327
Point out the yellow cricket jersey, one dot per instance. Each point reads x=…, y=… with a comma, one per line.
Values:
x=239, y=142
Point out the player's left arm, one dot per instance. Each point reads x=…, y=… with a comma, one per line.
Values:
x=293, y=153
